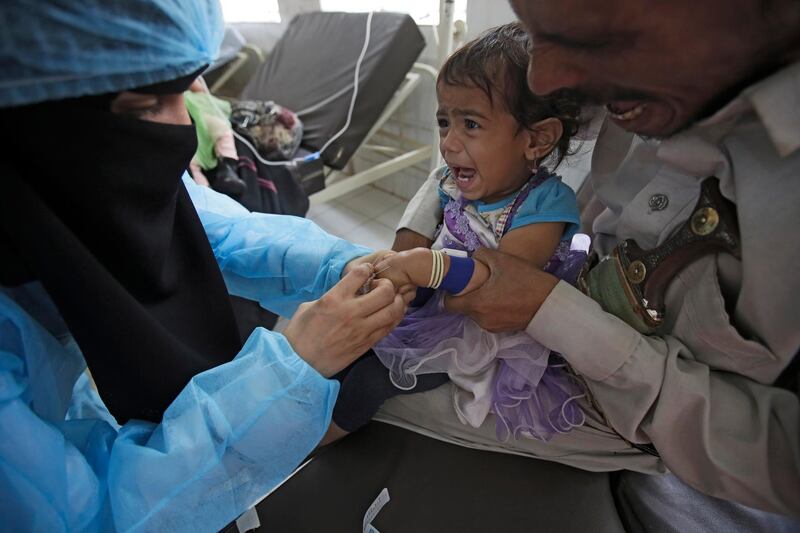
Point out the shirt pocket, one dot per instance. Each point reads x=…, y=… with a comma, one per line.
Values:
x=659, y=208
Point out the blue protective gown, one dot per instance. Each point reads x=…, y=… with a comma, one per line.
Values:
x=231, y=435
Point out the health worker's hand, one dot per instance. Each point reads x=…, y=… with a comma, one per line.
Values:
x=511, y=296
x=330, y=333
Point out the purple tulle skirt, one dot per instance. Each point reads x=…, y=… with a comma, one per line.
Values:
x=508, y=374
x=525, y=385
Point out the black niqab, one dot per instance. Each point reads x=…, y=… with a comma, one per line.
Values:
x=92, y=205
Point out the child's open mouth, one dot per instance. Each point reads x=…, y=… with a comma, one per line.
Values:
x=464, y=176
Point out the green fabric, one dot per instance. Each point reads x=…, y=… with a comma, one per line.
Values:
x=202, y=107
x=605, y=287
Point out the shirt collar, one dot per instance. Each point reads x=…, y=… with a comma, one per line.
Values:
x=776, y=101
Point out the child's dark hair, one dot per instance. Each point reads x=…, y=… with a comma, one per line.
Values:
x=497, y=63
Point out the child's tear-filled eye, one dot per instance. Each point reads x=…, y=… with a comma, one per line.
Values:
x=471, y=124
x=442, y=122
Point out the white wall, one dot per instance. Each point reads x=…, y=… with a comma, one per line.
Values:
x=485, y=14
x=265, y=35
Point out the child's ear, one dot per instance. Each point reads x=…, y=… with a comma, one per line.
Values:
x=543, y=136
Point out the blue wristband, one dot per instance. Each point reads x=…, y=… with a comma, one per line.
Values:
x=458, y=275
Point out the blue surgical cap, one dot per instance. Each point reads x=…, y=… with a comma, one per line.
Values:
x=54, y=49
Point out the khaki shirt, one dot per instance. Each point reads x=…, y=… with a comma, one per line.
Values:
x=700, y=390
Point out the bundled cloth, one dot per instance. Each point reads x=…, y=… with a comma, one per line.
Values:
x=276, y=130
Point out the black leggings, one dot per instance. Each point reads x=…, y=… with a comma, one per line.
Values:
x=365, y=385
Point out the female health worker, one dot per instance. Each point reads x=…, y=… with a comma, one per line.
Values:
x=112, y=259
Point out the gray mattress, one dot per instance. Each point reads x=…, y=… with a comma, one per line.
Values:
x=316, y=58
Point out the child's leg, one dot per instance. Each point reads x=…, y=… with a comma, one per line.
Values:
x=365, y=386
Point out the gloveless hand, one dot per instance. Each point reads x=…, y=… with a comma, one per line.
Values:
x=511, y=296
x=330, y=333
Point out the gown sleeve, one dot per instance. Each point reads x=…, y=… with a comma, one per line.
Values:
x=231, y=435
x=279, y=261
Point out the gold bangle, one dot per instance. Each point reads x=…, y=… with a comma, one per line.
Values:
x=437, y=269
x=440, y=276
x=433, y=268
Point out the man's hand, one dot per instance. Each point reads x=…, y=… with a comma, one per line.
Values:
x=330, y=333
x=510, y=297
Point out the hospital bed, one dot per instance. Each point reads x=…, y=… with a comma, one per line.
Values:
x=434, y=487
x=311, y=71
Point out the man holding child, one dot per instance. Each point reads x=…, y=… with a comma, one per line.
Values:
x=692, y=90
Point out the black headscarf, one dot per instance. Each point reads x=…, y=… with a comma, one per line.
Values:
x=92, y=205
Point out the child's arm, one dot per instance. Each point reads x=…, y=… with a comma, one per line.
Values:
x=406, y=239
x=535, y=243
x=415, y=267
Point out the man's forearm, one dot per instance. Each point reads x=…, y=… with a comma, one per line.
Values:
x=721, y=432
